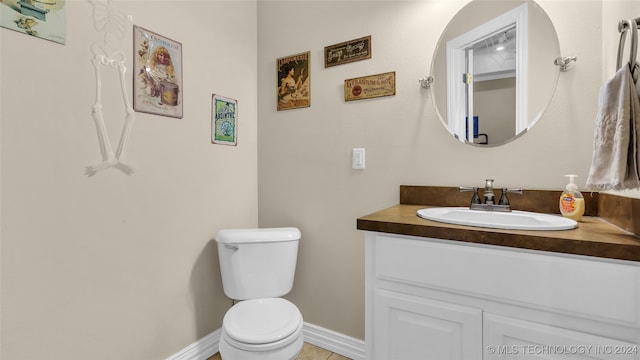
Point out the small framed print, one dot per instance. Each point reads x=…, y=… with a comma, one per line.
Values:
x=348, y=51
x=371, y=86
x=294, y=82
x=224, y=120
x=157, y=71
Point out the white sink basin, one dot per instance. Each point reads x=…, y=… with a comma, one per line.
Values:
x=514, y=220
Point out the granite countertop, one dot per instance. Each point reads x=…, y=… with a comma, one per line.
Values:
x=594, y=236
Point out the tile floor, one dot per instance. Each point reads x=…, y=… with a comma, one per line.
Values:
x=309, y=352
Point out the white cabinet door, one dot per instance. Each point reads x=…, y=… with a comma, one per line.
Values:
x=513, y=339
x=413, y=328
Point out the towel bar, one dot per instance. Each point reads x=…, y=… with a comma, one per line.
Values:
x=624, y=24
x=623, y=27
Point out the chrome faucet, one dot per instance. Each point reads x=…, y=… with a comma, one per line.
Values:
x=489, y=198
x=488, y=192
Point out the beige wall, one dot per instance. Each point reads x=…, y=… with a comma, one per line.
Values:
x=116, y=266
x=305, y=178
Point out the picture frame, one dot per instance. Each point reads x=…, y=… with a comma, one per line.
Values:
x=370, y=86
x=224, y=120
x=348, y=51
x=293, y=89
x=45, y=19
x=157, y=74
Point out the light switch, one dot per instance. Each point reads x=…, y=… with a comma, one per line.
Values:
x=357, y=158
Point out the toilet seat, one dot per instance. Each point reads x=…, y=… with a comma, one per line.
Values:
x=262, y=323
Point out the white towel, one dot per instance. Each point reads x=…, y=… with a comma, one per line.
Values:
x=615, y=154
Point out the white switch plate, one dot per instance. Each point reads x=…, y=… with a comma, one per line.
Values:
x=357, y=158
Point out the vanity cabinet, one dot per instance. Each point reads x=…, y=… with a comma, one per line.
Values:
x=438, y=299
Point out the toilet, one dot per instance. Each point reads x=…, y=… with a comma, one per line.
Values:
x=257, y=268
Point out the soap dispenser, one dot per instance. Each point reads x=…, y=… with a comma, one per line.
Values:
x=571, y=201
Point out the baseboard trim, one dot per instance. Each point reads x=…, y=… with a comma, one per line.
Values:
x=336, y=342
x=327, y=339
x=333, y=341
x=202, y=349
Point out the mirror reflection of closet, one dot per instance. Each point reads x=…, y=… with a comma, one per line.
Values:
x=485, y=63
x=494, y=76
x=494, y=61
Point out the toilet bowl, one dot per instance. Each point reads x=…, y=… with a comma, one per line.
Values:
x=257, y=268
x=268, y=328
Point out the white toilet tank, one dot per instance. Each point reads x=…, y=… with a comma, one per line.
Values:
x=257, y=263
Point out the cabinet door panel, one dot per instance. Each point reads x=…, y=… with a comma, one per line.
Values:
x=513, y=339
x=410, y=328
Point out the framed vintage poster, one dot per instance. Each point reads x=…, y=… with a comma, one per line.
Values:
x=294, y=81
x=157, y=70
x=45, y=19
x=371, y=86
x=348, y=51
x=224, y=120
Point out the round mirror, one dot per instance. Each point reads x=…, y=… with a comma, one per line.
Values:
x=495, y=61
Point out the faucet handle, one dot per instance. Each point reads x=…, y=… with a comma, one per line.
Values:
x=504, y=200
x=476, y=198
x=516, y=190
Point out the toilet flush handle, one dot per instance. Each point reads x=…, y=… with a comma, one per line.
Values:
x=231, y=246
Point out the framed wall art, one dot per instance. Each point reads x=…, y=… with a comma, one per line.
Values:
x=45, y=19
x=348, y=51
x=294, y=81
x=224, y=120
x=157, y=72
x=371, y=86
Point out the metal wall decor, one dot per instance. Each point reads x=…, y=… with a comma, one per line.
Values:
x=45, y=19
x=157, y=87
x=371, y=86
x=348, y=51
x=294, y=81
x=224, y=120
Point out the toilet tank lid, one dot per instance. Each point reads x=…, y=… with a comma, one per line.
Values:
x=237, y=236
